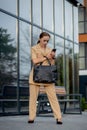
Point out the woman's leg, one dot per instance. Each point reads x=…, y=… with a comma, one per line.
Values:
x=33, y=90
x=51, y=93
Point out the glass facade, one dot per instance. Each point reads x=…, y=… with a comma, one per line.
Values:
x=82, y=20
x=83, y=51
x=20, y=26
x=83, y=56
x=83, y=46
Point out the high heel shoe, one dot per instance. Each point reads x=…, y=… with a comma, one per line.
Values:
x=59, y=122
x=31, y=121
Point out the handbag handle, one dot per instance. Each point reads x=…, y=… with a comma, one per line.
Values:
x=47, y=60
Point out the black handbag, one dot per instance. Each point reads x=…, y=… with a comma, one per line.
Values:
x=45, y=73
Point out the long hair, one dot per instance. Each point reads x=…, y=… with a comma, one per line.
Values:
x=42, y=35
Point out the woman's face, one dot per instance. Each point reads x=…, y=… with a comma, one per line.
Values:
x=44, y=40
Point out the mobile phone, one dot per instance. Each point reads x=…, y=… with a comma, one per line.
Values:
x=54, y=49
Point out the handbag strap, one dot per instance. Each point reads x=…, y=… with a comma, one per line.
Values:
x=48, y=60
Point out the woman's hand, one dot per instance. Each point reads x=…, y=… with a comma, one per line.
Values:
x=51, y=55
x=40, y=58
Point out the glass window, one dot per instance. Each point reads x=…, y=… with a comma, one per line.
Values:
x=76, y=68
x=81, y=49
x=75, y=24
x=81, y=27
x=76, y=50
x=25, y=9
x=81, y=63
x=81, y=14
x=59, y=45
x=86, y=63
x=51, y=41
x=40, y=13
x=8, y=57
x=85, y=27
x=8, y=51
x=83, y=56
x=35, y=37
x=68, y=21
x=86, y=14
x=86, y=55
x=48, y=14
x=24, y=51
x=59, y=25
x=8, y=5
x=37, y=12
x=86, y=49
x=69, y=66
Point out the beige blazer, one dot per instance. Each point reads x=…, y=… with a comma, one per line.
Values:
x=35, y=51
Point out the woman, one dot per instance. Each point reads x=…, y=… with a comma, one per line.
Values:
x=38, y=52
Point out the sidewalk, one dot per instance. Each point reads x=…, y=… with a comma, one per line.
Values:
x=70, y=122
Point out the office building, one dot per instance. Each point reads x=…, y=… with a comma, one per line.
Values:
x=21, y=22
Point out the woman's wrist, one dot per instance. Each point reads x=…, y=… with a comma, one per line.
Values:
x=44, y=58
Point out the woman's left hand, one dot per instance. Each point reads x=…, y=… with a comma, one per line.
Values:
x=51, y=55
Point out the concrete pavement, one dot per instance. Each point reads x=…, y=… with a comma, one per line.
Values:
x=70, y=122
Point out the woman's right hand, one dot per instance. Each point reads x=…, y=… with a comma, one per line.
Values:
x=51, y=55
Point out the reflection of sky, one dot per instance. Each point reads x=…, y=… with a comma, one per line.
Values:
x=8, y=5
x=59, y=50
x=76, y=48
x=8, y=23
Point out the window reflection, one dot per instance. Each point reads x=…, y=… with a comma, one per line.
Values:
x=8, y=51
x=75, y=24
x=15, y=63
x=76, y=68
x=69, y=66
x=51, y=41
x=35, y=37
x=68, y=21
x=82, y=63
x=59, y=20
x=37, y=12
x=81, y=14
x=25, y=9
x=8, y=5
x=81, y=27
x=25, y=53
x=59, y=45
x=48, y=14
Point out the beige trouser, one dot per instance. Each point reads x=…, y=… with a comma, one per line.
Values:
x=50, y=91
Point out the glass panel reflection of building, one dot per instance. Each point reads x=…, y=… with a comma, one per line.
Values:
x=22, y=22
